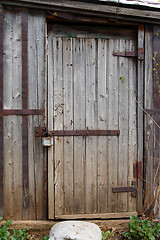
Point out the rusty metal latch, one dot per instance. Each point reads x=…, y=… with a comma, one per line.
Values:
x=139, y=54
x=42, y=132
x=131, y=189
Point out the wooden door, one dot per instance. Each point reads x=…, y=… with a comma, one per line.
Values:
x=91, y=88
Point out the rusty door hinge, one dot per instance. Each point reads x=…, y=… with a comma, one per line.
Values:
x=131, y=189
x=137, y=170
x=139, y=54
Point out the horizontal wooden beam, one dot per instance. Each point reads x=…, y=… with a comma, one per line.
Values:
x=97, y=216
x=76, y=7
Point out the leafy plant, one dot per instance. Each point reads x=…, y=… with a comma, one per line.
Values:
x=4, y=233
x=45, y=238
x=19, y=234
x=106, y=234
x=142, y=229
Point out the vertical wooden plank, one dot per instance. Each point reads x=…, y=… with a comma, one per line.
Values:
x=36, y=82
x=123, y=126
x=68, y=125
x=148, y=104
x=103, y=104
x=91, y=123
x=140, y=115
x=1, y=107
x=79, y=123
x=156, y=100
x=32, y=93
x=12, y=124
x=132, y=122
x=25, y=174
x=113, y=81
x=58, y=125
x=51, y=190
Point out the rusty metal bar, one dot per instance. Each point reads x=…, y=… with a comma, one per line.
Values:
x=1, y=107
x=41, y=131
x=131, y=189
x=23, y=112
x=122, y=189
x=25, y=173
x=139, y=54
x=126, y=54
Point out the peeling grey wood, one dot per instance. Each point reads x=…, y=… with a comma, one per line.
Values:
x=132, y=123
x=58, y=120
x=12, y=124
x=112, y=124
x=36, y=46
x=103, y=117
x=68, y=125
x=91, y=123
x=149, y=125
x=140, y=115
x=123, y=126
x=79, y=79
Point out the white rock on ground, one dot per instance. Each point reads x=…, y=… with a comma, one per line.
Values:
x=75, y=230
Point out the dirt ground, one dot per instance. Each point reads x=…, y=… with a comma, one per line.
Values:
x=39, y=229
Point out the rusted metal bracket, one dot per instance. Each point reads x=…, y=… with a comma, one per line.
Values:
x=23, y=112
x=139, y=54
x=137, y=170
x=125, y=54
x=42, y=131
x=131, y=189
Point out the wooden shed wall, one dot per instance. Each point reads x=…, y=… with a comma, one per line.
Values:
x=152, y=121
x=22, y=161
x=23, y=175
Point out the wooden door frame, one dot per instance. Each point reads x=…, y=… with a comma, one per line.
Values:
x=51, y=167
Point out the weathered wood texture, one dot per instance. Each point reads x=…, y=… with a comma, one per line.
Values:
x=152, y=131
x=88, y=94
x=1, y=106
x=134, y=14
x=149, y=125
x=140, y=105
x=19, y=93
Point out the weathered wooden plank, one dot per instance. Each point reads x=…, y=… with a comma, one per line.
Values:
x=36, y=158
x=148, y=104
x=25, y=176
x=91, y=123
x=58, y=124
x=140, y=114
x=68, y=125
x=1, y=107
x=79, y=123
x=98, y=216
x=156, y=100
x=132, y=123
x=123, y=125
x=113, y=124
x=91, y=7
x=103, y=104
x=51, y=190
x=12, y=125
x=78, y=31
